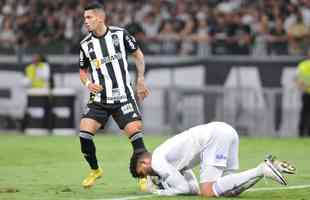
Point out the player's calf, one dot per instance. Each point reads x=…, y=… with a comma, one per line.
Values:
x=234, y=184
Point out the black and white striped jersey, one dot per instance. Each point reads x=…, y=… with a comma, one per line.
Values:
x=106, y=59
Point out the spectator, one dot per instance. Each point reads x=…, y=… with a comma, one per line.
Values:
x=7, y=35
x=239, y=35
x=201, y=37
x=38, y=73
x=52, y=30
x=168, y=38
x=259, y=25
x=298, y=34
x=305, y=10
x=277, y=39
x=40, y=23
x=218, y=34
x=137, y=31
x=187, y=45
x=150, y=24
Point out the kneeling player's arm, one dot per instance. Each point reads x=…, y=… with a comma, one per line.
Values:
x=174, y=182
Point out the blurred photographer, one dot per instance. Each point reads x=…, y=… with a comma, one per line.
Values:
x=303, y=83
x=38, y=73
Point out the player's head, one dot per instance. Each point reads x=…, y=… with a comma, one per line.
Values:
x=94, y=16
x=37, y=58
x=140, y=164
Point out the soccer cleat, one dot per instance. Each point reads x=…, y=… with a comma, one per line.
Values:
x=92, y=177
x=282, y=166
x=150, y=184
x=270, y=171
x=143, y=184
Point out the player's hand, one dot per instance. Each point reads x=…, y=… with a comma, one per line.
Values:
x=94, y=88
x=142, y=90
x=302, y=85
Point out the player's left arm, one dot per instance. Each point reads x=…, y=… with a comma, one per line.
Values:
x=132, y=48
x=142, y=90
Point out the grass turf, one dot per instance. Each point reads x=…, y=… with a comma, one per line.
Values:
x=52, y=168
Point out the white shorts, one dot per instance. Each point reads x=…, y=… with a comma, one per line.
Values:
x=220, y=154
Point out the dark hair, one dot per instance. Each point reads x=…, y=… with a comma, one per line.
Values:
x=93, y=6
x=135, y=158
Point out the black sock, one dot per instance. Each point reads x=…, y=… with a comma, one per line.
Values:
x=137, y=142
x=88, y=149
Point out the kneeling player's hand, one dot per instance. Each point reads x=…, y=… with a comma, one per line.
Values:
x=154, y=183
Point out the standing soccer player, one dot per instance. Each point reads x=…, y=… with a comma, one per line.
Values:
x=303, y=83
x=104, y=71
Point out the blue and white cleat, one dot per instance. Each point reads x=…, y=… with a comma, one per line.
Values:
x=282, y=166
x=271, y=171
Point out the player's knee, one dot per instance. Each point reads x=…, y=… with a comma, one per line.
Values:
x=89, y=125
x=133, y=127
x=206, y=190
x=207, y=194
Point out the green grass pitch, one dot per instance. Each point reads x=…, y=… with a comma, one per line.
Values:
x=52, y=168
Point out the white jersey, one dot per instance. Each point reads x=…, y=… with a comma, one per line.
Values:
x=205, y=144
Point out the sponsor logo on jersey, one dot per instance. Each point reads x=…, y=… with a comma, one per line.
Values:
x=220, y=157
x=130, y=41
x=107, y=59
x=98, y=63
x=115, y=40
x=127, y=108
x=86, y=110
x=91, y=50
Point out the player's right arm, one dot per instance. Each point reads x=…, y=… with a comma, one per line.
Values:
x=84, y=76
x=172, y=180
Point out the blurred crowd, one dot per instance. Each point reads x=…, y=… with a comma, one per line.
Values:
x=183, y=27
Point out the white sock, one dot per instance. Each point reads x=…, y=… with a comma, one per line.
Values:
x=234, y=184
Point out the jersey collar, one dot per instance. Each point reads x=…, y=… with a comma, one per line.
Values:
x=102, y=36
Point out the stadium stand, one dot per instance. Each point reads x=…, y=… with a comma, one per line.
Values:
x=171, y=26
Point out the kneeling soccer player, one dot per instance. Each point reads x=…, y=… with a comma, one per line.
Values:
x=213, y=146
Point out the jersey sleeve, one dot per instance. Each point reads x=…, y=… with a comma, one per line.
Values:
x=173, y=181
x=131, y=44
x=84, y=61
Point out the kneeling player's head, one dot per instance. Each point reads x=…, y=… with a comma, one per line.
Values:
x=140, y=164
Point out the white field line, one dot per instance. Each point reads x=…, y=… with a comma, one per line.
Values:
x=250, y=190
x=279, y=188
x=128, y=197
